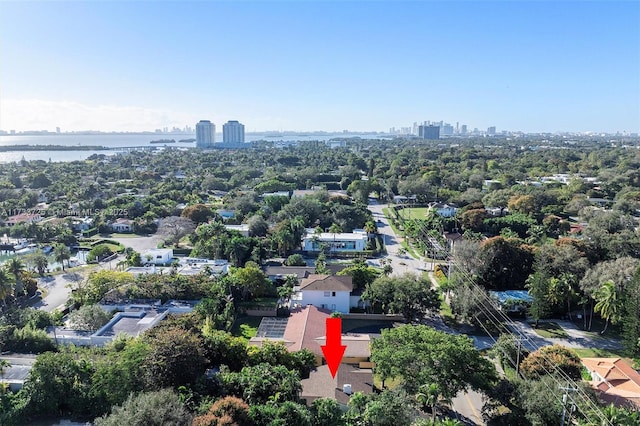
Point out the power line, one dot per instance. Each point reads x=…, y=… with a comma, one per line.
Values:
x=500, y=320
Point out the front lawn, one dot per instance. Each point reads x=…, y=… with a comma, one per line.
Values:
x=550, y=330
x=414, y=213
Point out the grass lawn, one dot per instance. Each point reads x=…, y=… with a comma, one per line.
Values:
x=399, y=235
x=260, y=302
x=118, y=235
x=389, y=383
x=599, y=353
x=414, y=213
x=446, y=313
x=550, y=330
x=509, y=371
x=246, y=327
x=389, y=217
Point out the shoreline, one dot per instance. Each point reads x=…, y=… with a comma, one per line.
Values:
x=12, y=148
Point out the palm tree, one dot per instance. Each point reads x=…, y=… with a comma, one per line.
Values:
x=607, y=303
x=335, y=228
x=430, y=395
x=61, y=253
x=16, y=267
x=41, y=262
x=4, y=364
x=561, y=290
x=5, y=285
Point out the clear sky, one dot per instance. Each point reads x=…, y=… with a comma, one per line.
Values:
x=331, y=65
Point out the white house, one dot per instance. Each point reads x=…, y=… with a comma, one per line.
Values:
x=337, y=242
x=122, y=225
x=444, y=210
x=194, y=265
x=157, y=256
x=81, y=224
x=325, y=291
x=243, y=229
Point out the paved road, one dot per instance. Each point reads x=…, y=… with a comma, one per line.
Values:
x=400, y=263
x=58, y=288
x=468, y=407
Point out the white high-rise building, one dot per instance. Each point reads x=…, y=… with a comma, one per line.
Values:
x=233, y=132
x=205, y=134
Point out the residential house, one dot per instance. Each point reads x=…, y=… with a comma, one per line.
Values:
x=23, y=218
x=43, y=197
x=444, y=210
x=275, y=273
x=194, y=266
x=401, y=199
x=243, y=229
x=334, y=242
x=615, y=381
x=157, y=257
x=349, y=379
x=81, y=224
x=226, y=213
x=122, y=225
x=306, y=329
x=276, y=194
x=325, y=291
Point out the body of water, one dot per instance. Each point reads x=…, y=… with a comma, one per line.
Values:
x=115, y=141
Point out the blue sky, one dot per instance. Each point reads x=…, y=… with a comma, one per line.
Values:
x=332, y=65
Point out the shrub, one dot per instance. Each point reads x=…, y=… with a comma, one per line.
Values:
x=295, y=260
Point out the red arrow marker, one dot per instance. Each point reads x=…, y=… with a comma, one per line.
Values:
x=334, y=349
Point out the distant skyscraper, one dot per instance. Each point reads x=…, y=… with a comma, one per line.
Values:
x=205, y=134
x=429, y=132
x=463, y=129
x=233, y=132
x=491, y=130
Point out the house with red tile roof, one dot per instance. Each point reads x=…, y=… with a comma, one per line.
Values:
x=22, y=218
x=306, y=329
x=615, y=381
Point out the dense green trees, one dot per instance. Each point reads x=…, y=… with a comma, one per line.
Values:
x=261, y=383
x=548, y=359
x=159, y=408
x=419, y=355
x=89, y=317
x=408, y=295
x=175, y=358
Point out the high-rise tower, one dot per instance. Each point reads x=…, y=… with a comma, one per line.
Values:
x=205, y=134
x=233, y=132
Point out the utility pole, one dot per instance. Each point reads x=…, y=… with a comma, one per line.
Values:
x=519, y=339
x=565, y=398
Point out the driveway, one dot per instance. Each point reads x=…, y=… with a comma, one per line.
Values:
x=577, y=338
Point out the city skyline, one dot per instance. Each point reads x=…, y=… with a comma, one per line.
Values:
x=328, y=66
